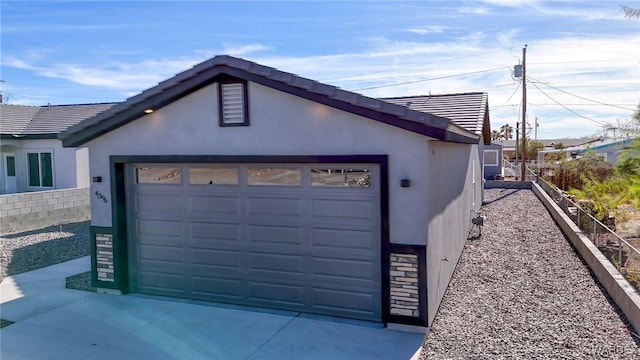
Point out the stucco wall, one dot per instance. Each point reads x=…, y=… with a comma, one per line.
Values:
x=35, y=210
x=455, y=192
x=70, y=169
x=281, y=124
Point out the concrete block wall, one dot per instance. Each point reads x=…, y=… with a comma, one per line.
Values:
x=36, y=210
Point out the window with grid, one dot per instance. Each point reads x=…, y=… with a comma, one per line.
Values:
x=40, y=167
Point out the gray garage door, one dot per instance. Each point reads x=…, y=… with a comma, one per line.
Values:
x=297, y=236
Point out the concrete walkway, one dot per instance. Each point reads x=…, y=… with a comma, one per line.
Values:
x=52, y=322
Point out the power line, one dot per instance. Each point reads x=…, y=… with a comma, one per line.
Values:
x=431, y=79
x=566, y=108
x=578, y=96
x=416, y=66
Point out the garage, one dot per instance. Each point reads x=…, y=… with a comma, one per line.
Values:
x=234, y=182
x=303, y=237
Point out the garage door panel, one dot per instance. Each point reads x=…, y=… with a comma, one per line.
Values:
x=276, y=294
x=213, y=205
x=163, y=228
x=354, y=241
x=343, y=211
x=274, y=235
x=214, y=234
x=222, y=289
x=160, y=253
x=345, y=302
x=274, y=207
x=216, y=258
x=345, y=270
x=262, y=264
x=163, y=281
x=159, y=203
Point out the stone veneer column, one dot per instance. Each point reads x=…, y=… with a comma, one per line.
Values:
x=403, y=272
x=104, y=257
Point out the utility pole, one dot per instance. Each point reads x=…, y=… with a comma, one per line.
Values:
x=523, y=147
x=517, y=145
x=536, y=129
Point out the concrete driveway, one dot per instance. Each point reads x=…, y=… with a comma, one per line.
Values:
x=52, y=322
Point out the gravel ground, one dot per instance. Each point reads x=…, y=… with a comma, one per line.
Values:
x=30, y=250
x=520, y=291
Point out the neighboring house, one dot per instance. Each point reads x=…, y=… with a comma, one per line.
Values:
x=239, y=183
x=33, y=158
x=601, y=149
x=492, y=161
x=509, y=146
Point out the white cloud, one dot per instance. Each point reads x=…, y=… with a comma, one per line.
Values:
x=424, y=30
x=242, y=50
x=601, y=68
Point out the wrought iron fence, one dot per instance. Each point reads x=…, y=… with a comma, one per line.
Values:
x=618, y=250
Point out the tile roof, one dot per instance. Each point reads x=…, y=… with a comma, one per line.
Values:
x=21, y=121
x=206, y=73
x=466, y=110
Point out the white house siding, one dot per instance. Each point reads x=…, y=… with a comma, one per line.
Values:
x=455, y=191
x=66, y=174
x=280, y=124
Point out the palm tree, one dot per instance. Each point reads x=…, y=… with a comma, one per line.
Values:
x=496, y=135
x=507, y=131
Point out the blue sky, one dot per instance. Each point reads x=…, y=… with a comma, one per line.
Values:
x=583, y=57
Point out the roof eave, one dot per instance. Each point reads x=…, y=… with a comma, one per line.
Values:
x=193, y=80
x=28, y=136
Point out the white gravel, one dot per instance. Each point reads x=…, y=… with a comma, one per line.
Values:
x=520, y=291
x=30, y=250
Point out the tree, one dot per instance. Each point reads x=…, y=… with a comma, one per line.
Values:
x=533, y=147
x=496, y=135
x=507, y=131
x=630, y=12
x=629, y=161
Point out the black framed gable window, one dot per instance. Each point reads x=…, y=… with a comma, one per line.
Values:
x=233, y=103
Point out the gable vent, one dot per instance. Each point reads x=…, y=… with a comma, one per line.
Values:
x=233, y=106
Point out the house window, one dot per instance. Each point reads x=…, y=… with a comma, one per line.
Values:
x=11, y=165
x=40, y=169
x=491, y=158
x=232, y=101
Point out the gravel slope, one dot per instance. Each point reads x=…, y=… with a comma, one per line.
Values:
x=30, y=250
x=521, y=292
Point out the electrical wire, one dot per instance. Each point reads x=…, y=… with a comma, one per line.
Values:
x=418, y=65
x=431, y=79
x=566, y=108
x=578, y=96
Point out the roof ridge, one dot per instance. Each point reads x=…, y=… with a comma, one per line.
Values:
x=198, y=75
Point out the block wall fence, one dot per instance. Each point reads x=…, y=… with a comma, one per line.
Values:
x=36, y=210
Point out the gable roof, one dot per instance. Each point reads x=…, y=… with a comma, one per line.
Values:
x=222, y=66
x=467, y=110
x=44, y=122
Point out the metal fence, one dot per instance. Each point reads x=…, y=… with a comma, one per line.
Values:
x=617, y=249
x=515, y=170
